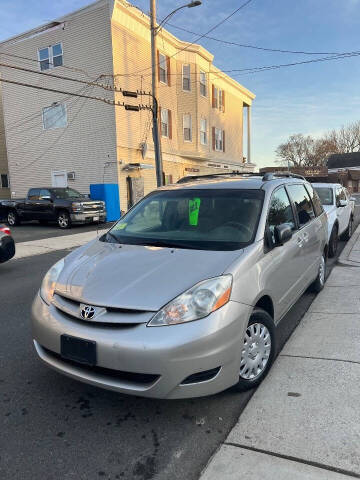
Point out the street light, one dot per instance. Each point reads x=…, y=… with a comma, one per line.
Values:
x=154, y=31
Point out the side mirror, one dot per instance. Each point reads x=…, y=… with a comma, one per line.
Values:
x=282, y=234
x=343, y=203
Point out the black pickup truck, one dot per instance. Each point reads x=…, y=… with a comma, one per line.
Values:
x=63, y=205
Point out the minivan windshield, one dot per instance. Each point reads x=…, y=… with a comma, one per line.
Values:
x=325, y=194
x=63, y=193
x=192, y=218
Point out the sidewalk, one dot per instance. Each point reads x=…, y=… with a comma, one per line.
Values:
x=47, y=245
x=303, y=422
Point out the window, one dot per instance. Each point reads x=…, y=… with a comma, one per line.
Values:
x=163, y=68
x=165, y=123
x=187, y=128
x=4, y=180
x=203, y=89
x=215, y=102
x=315, y=200
x=186, y=78
x=193, y=218
x=221, y=99
x=54, y=116
x=219, y=140
x=280, y=212
x=203, y=131
x=50, y=57
x=34, y=194
x=325, y=194
x=340, y=195
x=302, y=202
x=44, y=193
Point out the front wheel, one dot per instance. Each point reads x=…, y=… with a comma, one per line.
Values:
x=319, y=282
x=348, y=232
x=333, y=243
x=63, y=220
x=258, y=350
x=12, y=218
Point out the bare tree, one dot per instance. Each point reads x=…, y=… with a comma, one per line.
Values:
x=347, y=139
x=296, y=150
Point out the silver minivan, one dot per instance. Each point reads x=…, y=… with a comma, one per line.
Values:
x=182, y=296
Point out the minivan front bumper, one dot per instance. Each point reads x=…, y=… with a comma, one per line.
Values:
x=149, y=361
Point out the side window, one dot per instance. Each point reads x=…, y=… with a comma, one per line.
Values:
x=44, y=193
x=34, y=194
x=301, y=199
x=315, y=200
x=340, y=195
x=280, y=211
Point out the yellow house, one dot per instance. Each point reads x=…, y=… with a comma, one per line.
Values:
x=56, y=139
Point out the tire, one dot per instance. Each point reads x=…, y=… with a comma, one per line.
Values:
x=260, y=327
x=333, y=243
x=13, y=218
x=319, y=282
x=349, y=231
x=63, y=220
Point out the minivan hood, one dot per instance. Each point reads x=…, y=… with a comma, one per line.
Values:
x=135, y=276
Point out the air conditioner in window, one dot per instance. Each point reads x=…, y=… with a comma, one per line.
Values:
x=71, y=175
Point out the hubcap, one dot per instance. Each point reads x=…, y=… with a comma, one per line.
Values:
x=322, y=271
x=11, y=218
x=256, y=351
x=63, y=220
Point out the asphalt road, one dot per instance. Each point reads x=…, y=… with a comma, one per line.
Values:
x=54, y=428
x=34, y=231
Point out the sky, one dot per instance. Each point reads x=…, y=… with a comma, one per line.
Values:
x=310, y=98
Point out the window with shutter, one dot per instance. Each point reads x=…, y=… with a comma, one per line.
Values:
x=164, y=114
x=219, y=140
x=187, y=128
x=162, y=68
x=186, y=78
x=215, y=101
x=203, y=89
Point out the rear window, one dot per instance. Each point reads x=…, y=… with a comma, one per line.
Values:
x=192, y=218
x=326, y=195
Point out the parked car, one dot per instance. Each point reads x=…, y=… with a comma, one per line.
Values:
x=182, y=296
x=339, y=208
x=7, y=244
x=63, y=205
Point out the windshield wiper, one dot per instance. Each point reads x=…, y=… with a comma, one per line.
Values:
x=168, y=244
x=113, y=236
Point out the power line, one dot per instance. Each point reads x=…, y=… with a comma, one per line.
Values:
x=244, y=45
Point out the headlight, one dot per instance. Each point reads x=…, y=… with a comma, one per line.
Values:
x=77, y=207
x=198, y=302
x=49, y=282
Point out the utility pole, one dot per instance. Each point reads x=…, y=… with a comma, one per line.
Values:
x=155, y=110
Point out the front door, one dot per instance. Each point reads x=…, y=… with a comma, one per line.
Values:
x=283, y=266
x=59, y=179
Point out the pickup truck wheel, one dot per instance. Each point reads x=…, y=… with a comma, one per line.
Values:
x=258, y=350
x=349, y=231
x=63, y=220
x=12, y=218
x=334, y=240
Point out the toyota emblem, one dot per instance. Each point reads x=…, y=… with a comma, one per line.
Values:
x=87, y=312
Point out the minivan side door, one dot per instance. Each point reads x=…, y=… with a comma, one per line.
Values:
x=283, y=265
x=309, y=231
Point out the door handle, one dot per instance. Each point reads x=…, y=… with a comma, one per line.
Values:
x=306, y=237
x=299, y=241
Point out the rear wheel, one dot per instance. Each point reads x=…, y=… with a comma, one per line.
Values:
x=333, y=243
x=258, y=350
x=319, y=282
x=63, y=220
x=13, y=218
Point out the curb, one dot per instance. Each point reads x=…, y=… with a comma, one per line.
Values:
x=344, y=256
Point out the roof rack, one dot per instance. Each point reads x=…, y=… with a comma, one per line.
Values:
x=192, y=178
x=265, y=178
x=273, y=175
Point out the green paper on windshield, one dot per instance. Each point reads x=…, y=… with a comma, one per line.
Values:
x=120, y=226
x=194, y=207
